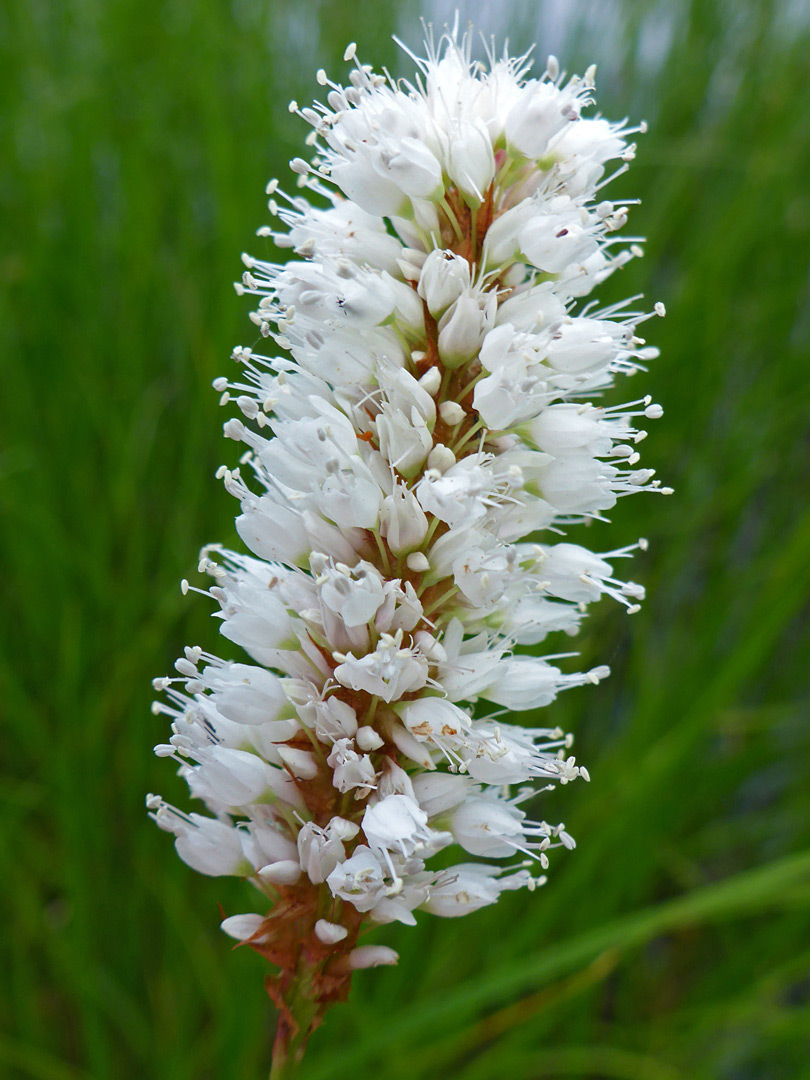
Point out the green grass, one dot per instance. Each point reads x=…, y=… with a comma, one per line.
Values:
x=673, y=944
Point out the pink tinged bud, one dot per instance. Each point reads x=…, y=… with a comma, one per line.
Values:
x=370, y=956
x=329, y=933
x=444, y=277
x=284, y=872
x=470, y=160
x=242, y=927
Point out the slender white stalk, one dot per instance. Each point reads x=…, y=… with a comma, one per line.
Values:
x=414, y=465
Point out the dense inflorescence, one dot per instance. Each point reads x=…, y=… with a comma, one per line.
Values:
x=415, y=462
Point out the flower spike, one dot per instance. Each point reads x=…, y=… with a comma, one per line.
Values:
x=412, y=469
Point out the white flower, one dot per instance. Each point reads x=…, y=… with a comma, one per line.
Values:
x=558, y=236
x=351, y=770
x=487, y=827
x=470, y=886
x=411, y=470
x=247, y=694
x=320, y=850
x=358, y=880
x=542, y=110
x=438, y=792
x=233, y=777
x=396, y=823
x=389, y=672
x=207, y=846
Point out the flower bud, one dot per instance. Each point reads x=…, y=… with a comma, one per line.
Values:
x=284, y=872
x=242, y=927
x=470, y=160
x=302, y=764
x=402, y=521
x=329, y=933
x=404, y=442
x=444, y=277
x=369, y=956
x=415, y=170
x=461, y=330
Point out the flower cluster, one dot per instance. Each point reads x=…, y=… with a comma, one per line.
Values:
x=413, y=465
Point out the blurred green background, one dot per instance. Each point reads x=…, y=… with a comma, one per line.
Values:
x=136, y=141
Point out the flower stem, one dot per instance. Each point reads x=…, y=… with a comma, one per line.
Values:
x=294, y=1028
